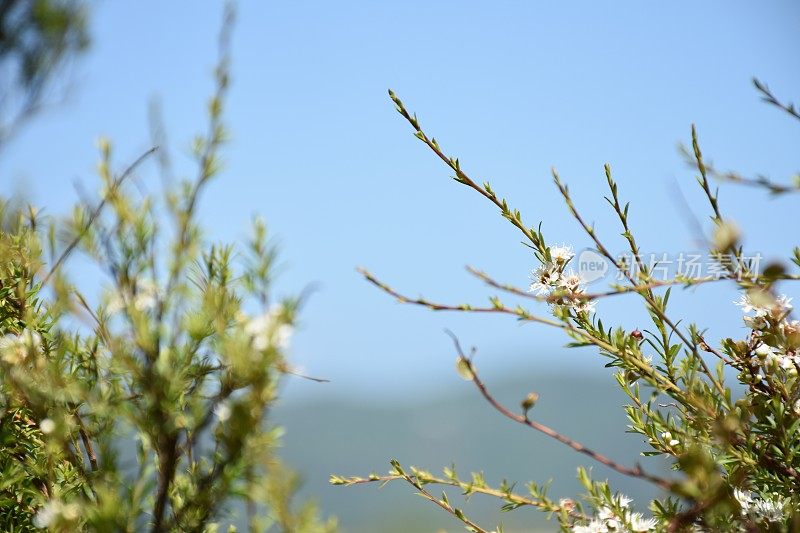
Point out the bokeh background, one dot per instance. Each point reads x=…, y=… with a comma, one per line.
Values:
x=512, y=88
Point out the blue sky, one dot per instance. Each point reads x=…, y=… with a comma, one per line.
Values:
x=512, y=88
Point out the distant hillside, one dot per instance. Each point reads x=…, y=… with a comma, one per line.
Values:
x=331, y=434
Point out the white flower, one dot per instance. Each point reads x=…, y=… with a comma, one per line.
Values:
x=796, y=407
x=788, y=362
x=544, y=279
x=790, y=327
x=70, y=512
x=584, y=306
x=605, y=513
x=265, y=330
x=623, y=501
x=609, y=517
x=769, y=510
x=222, y=411
x=755, y=322
x=772, y=358
x=595, y=526
x=762, y=304
x=745, y=303
x=764, y=350
x=147, y=294
x=51, y=511
x=568, y=504
x=758, y=507
x=145, y=299
x=561, y=254
x=745, y=499
x=15, y=348
x=8, y=340
x=640, y=523
x=768, y=354
x=47, y=514
x=47, y=426
x=783, y=303
x=570, y=281
x=667, y=436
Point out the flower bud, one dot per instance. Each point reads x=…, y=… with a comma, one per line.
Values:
x=529, y=401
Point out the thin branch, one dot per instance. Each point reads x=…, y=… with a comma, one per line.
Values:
x=636, y=472
x=96, y=213
x=486, y=191
x=87, y=443
x=467, y=487
x=767, y=96
x=759, y=181
x=686, y=282
x=648, y=297
x=518, y=312
x=443, y=503
x=713, y=197
x=304, y=376
x=524, y=315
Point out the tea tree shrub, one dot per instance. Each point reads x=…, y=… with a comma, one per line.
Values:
x=735, y=456
x=140, y=402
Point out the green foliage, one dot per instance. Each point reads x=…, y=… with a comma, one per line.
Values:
x=734, y=449
x=176, y=353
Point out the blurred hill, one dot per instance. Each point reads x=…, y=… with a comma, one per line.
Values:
x=336, y=433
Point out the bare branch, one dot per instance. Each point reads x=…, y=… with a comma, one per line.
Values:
x=636, y=472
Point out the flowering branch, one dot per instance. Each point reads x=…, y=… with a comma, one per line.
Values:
x=737, y=448
x=476, y=485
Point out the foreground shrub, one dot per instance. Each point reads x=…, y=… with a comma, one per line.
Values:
x=146, y=410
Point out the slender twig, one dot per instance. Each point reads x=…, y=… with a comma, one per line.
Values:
x=96, y=213
x=648, y=297
x=759, y=181
x=710, y=349
x=713, y=197
x=636, y=472
x=732, y=251
x=767, y=96
x=534, y=237
x=497, y=308
x=686, y=282
x=622, y=215
x=452, y=162
x=303, y=376
x=87, y=443
x=444, y=504
x=468, y=488
x=524, y=315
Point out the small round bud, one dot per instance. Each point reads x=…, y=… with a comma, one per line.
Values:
x=566, y=504
x=464, y=368
x=529, y=401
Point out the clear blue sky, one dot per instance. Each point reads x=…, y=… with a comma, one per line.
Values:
x=511, y=87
